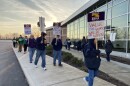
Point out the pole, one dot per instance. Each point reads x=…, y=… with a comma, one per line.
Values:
x=96, y=40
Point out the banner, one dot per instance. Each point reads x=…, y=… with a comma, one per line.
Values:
x=96, y=24
x=27, y=29
x=56, y=29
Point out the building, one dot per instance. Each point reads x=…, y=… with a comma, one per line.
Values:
x=117, y=16
x=50, y=35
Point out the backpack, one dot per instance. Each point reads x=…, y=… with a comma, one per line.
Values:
x=91, y=57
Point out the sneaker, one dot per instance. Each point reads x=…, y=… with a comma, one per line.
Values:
x=84, y=79
x=54, y=64
x=44, y=69
x=60, y=65
x=36, y=66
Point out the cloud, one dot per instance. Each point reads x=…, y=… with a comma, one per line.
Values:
x=18, y=12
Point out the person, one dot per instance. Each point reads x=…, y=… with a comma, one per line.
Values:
x=57, y=46
x=20, y=41
x=83, y=42
x=31, y=47
x=68, y=44
x=41, y=44
x=79, y=45
x=14, y=42
x=25, y=44
x=108, y=49
x=65, y=43
x=92, y=61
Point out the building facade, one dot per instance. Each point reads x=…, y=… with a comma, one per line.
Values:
x=117, y=18
x=50, y=35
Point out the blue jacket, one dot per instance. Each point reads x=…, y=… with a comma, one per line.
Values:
x=90, y=56
x=40, y=45
x=32, y=43
x=57, y=45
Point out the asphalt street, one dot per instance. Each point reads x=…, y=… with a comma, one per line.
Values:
x=11, y=73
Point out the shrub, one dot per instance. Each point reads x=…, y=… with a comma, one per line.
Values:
x=49, y=52
x=49, y=47
x=67, y=56
x=80, y=63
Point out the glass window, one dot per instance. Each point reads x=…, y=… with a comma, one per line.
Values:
x=119, y=21
x=68, y=30
x=110, y=4
x=81, y=30
x=109, y=13
x=81, y=35
x=102, y=8
x=119, y=45
x=109, y=23
x=129, y=35
x=116, y=1
x=129, y=5
x=129, y=19
x=121, y=33
x=82, y=18
x=129, y=39
x=120, y=9
x=108, y=29
x=81, y=23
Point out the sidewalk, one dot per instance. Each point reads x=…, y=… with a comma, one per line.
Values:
x=115, y=69
x=53, y=76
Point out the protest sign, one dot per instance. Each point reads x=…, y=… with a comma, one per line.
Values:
x=96, y=24
x=56, y=29
x=27, y=29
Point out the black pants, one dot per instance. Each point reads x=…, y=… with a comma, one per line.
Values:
x=14, y=44
x=25, y=47
x=108, y=56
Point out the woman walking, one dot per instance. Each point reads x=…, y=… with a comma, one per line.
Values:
x=92, y=60
x=31, y=47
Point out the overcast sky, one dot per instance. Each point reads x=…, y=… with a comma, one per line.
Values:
x=15, y=13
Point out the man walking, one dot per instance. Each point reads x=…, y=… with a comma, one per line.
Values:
x=57, y=46
x=40, y=46
x=20, y=41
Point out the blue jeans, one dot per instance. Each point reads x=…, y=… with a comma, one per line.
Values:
x=41, y=53
x=57, y=54
x=31, y=53
x=90, y=77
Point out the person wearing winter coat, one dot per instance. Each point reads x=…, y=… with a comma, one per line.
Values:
x=57, y=47
x=31, y=47
x=83, y=42
x=92, y=61
x=79, y=45
x=14, y=42
x=21, y=42
x=108, y=49
x=25, y=44
x=41, y=44
x=68, y=44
